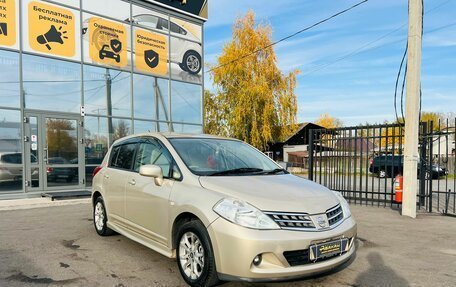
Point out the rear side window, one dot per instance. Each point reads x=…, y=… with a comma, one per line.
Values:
x=123, y=156
x=12, y=158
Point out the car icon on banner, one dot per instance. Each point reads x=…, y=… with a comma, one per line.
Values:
x=106, y=53
x=152, y=58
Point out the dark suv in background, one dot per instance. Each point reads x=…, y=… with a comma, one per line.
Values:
x=390, y=166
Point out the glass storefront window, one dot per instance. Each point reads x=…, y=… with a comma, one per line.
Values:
x=96, y=144
x=190, y=129
x=163, y=127
x=149, y=91
x=10, y=151
x=145, y=127
x=120, y=93
x=113, y=58
x=9, y=79
x=186, y=102
x=51, y=84
x=101, y=82
x=72, y=3
x=95, y=90
x=119, y=128
x=117, y=9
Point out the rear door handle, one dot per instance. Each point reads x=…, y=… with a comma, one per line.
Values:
x=132, y=182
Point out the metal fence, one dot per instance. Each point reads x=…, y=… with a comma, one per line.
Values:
x=362, y=162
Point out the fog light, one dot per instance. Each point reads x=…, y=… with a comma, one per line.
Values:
x=257, y=260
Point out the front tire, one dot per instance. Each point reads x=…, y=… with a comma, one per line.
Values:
x=100, y=218
x=195, y=257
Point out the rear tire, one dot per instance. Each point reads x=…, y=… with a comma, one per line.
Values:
x=195, y=257
x=100, y=218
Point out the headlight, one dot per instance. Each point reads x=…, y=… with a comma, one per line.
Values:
x=242, y=213
x=343, y=203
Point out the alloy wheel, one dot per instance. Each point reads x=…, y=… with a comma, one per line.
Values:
x=99, y=216
x=191, y=255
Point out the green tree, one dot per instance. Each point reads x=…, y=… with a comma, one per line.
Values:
x=254, y=101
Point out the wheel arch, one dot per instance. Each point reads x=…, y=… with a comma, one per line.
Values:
x=95, y=195
x=178, y=221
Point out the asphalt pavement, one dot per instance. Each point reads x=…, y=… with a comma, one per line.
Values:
x=58, y=246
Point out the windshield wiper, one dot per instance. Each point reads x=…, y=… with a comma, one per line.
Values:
x=237, y=171
x=275, y=171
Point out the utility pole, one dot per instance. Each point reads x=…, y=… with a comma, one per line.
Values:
x=412, y=110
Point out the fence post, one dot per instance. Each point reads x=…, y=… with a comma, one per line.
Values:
x=310, y=150
x=422, y=191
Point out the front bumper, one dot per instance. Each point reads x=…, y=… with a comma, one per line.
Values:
x=235, y=247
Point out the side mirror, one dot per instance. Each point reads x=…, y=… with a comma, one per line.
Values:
x=154, y=171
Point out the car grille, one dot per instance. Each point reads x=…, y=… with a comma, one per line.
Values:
x=301, y=257
x=292, y=221
x=334, y=215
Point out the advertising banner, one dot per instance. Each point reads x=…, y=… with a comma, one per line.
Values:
x=7, y=22
x=107, y=42
x=151, y=52
x=51, y=29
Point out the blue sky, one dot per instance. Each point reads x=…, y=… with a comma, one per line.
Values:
x=359, y=87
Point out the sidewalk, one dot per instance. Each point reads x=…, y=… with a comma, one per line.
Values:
x=29, y=203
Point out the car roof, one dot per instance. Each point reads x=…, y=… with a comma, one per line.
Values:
x=173, y=135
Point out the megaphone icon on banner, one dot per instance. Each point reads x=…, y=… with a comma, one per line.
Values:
x=52, y=36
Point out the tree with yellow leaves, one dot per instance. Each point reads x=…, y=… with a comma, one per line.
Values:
x=253, y=100
x=327, y=121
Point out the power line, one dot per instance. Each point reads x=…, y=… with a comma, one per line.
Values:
x=288, y=37
x=360, y=49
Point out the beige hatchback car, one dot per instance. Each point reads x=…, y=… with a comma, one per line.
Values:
x=221, y=207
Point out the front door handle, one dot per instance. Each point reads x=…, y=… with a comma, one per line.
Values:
x=106, y=176
x=132, y=182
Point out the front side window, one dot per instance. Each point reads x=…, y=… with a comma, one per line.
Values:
x=152, y=152
x=222, y=157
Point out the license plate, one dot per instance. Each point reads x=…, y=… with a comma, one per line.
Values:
x=328, y=249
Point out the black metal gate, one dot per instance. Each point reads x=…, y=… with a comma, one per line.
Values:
x=362, y=163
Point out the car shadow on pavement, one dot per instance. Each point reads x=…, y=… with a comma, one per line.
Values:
x=379, y=274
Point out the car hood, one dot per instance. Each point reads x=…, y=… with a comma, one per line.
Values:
x=285, y=193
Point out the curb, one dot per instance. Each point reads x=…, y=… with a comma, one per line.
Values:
x=29, y=203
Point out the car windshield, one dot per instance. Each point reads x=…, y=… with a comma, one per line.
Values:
x=220, y=157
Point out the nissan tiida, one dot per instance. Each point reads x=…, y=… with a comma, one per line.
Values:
x=222, y=208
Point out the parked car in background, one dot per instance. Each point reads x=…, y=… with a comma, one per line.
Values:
x=389, y=166
x=10, y=166
x=60, y=173
x=221, y=207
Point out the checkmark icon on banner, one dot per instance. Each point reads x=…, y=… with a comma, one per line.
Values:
x=151, y=60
